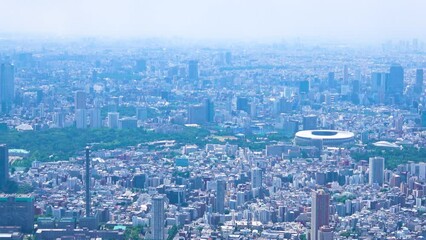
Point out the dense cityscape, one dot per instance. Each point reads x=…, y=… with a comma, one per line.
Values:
x=290, y=140
x=212, y=119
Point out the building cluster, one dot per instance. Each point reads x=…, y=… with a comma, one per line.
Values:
x=307, y=184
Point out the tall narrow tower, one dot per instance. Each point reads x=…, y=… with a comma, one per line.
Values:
x=7, y=86
x=4, y=165
x=87, y=181
x=320, y=212
x=157, y=222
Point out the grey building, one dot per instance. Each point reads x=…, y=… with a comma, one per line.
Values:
x=376, y=170
x=4, y=165
x=17, y=210
x=157, y=221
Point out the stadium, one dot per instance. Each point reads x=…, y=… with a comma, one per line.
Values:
x=330, y=138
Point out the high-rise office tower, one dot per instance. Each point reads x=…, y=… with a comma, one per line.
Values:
x=320, y=212
x=7, y=86
x=113, y=119
x=80, y=118
x=17, y=210
x=209, y=110
x=197, y=114
x=193, y=70
x=395, y=84
x=310, y=122
x=157, y=220
x=256, y=177
x=376, y=170
x=87, y=181
x=4, y=165
x=220, y=196
x=419, y=81
x=95, y=118
x=80, y=100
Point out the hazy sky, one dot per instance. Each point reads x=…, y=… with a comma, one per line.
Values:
x=218, y=19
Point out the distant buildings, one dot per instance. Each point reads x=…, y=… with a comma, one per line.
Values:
x=320, y=212
x=376, y=170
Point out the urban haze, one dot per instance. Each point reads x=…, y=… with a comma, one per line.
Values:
x=186, y=119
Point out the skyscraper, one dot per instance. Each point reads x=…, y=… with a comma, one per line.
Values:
x=87, y=182
x=220, y=196
x=209, y=110
x=197, y=114
x=256, y=177
x=4, y=165
x=310, y=122
x=80, y=100
x=376, y=170
x=80, y=118
x=157, y=221
x=419, y=81
x=7, y=86
x=193, y=70
x=113, y=119
x=95, y=118
x=395, y=85
x=320, y=212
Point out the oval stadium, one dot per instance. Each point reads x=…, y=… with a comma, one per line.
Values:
x=328, y=137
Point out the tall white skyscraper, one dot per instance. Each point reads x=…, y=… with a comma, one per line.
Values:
x=157, y=221
x=376, y=170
